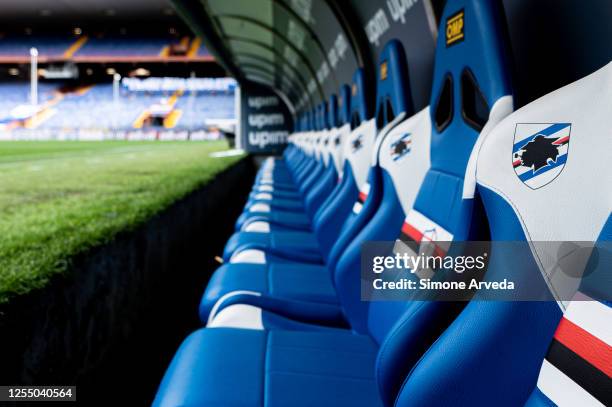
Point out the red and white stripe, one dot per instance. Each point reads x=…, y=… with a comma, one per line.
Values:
x=363, y=195
x=586, y=330
x=422, y=229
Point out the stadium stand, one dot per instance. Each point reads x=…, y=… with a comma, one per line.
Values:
x=94, y=107
x=118, y=46
x=16, y=94
x=102, y=48
x=102, y=111
x=48, y=46
x=196, y=107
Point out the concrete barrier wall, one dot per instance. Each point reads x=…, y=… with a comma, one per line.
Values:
x=111, y=325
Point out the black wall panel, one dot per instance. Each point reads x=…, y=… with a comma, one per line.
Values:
x=413, y=23
x=556, y=42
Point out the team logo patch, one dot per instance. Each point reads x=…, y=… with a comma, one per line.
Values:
x=540, y=152
x=454, y=28
x=357, y=144
x=401, y=147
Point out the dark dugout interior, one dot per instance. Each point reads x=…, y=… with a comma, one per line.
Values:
x=304, y=49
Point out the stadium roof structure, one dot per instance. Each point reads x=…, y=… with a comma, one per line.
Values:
x=97, y=31
x=15, y=9
x=303, y=50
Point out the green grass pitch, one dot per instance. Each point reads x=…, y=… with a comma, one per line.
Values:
x=58, y=199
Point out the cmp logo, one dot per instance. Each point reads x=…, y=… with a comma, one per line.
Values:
x=540, y=152
x=454, y=28
x=357, y=143
x=384, y=69
x=401, y=147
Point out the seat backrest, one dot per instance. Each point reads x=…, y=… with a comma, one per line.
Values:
x=341, y=121
x=357, y=148
x=539, y=156
x=333, y=118
x=392, y=106
x=359, y=144
x=334, y=139
x=391, y=96
x=471, y=92
x=324, y=133
x=336, y=205
x=320, y=131
x=344, y=105
x=359, y=111
x=391, y=77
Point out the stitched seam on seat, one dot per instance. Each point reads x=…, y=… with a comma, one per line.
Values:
x=337, y=376
x=267, y=277
x=414, y=368
x=322, y=349
x=385, y=345
x=528, y=235
x=266, y=361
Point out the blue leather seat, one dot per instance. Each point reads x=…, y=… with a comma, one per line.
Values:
x=278, y=280
x=334, y=212
x=284, y=220
x=307, y=364
x=519, y=351
x=319, y=185
x=316, y=179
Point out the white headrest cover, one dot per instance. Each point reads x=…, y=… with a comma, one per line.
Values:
x=358, y=150
x=566, y=195
x=405, y=155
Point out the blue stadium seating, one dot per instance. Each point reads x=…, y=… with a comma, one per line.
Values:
x=48, y=45
x=282, y=332
x=15, y=94
x=112, y=46
x=505, y=347
x=123, y=46
x=285, y=320
x=197, y=107
x=330, y=237
x=95, y=108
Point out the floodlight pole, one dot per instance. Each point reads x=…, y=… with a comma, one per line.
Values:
x=116, y=81
x=33, y=76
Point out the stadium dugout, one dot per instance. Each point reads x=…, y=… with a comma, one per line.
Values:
x=426, y=156
x=428, y=216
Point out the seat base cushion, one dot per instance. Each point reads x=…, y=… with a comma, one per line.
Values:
x=287, y=244
x=242, y=367
x=295, y=281
x=295, y=220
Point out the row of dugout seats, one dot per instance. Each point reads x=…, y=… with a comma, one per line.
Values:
x=284, y=321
